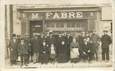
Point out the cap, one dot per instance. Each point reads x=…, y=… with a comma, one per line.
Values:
x=105, y=31
x=13, y=35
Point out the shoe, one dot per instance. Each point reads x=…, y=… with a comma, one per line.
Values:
x=107, y=61
x=34, y=62
x=26, y=65
x=20, y=66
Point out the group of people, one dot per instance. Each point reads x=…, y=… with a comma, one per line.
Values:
x=61, y=48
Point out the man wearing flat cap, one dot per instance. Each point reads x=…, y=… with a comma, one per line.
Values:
x=106, y=41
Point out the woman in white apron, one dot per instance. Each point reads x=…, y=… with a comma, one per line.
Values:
x=74, y=53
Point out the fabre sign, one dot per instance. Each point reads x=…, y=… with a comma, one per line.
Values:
x=60, y=15
x=64, y=15
x=57, y=15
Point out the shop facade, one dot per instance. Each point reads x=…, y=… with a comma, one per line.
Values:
x=64, y=19
x=32, y=20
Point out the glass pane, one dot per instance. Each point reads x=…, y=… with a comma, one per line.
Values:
x=50, y=24
x=69, y=24
x=60, y=24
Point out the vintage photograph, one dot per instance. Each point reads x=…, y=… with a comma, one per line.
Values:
x=58, y=35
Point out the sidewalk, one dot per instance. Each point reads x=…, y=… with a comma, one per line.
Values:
x=67, y=65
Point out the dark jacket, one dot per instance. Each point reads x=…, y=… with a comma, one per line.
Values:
x=62, y=50
x=44, y=53
x=36, y=45
x=106, y=40
x=81, y=42
x=23, y=49
x=13, y=49
x=95, y=38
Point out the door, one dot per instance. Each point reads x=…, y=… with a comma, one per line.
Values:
x=36, y=27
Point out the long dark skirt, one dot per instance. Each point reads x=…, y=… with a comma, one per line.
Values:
x=13, y=57
x=44, y=58
x=62, y=55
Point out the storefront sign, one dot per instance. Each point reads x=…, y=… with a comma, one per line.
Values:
x=64, y=15
x=35, y=15
x=57, y=15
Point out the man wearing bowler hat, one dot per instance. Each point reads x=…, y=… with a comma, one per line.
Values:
x=13, y=49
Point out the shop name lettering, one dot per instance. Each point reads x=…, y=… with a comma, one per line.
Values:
x=62, y=15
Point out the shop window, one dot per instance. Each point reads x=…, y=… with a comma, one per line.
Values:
x=60, y=25
x=70, y=25
x=50, y=24
x=77, y=24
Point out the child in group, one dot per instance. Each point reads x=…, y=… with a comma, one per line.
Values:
x=23, y=52
x=53, y=53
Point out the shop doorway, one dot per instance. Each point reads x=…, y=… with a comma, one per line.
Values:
x=36, y=27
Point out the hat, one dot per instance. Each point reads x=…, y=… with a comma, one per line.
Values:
x=21, y=38
x=13, y=35
x=90, y=31
x=26, y=34
x=50, y=31
x=105, y=31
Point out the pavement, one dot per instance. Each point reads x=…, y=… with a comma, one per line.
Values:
x=80, y=66
x=66, y=65
x=92, y=66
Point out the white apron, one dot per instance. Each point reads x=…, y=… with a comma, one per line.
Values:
x=74, y=53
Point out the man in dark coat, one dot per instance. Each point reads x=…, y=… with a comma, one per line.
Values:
x=69, y=40
x=95, y=40
x=89, y=49
x=23, y=50
x=81, y=45
x=58, y=48
x=36, y=42
x=28, y=44
x=106, y=41
x=13, y=50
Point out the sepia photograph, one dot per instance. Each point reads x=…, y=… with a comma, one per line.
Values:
x=73, y=34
